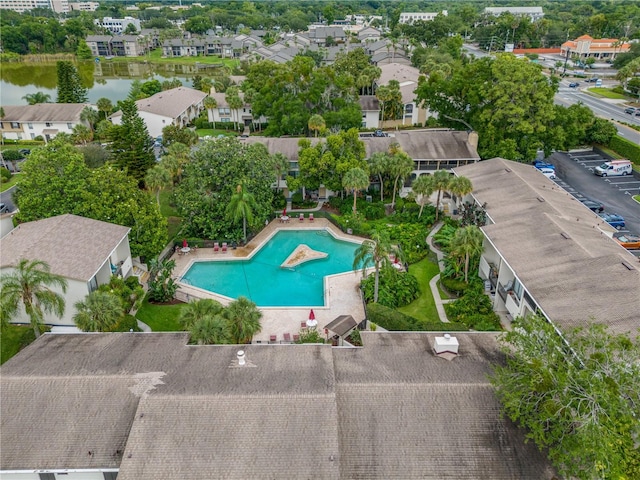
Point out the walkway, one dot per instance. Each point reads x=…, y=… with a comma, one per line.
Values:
x=434, y=281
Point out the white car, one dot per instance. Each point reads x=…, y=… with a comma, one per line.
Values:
x=548, y=172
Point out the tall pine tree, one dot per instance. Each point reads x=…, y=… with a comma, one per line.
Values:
x=132, y=147
x=70, y=89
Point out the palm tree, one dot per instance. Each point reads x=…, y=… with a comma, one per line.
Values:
x=379, y=165
x=460, y=186
x=400, y=167
x=90, y=116
x=280, y=166
x=375, y=251
x=38, y=97
x=98, y=312
x=467, y=243
x=232, y=96
x=423, y=187
x=29, y=285
x=209, y=103
x=104, y=106
x=156, y=179
x=243, y=319
x=240, y=206
x=81, y=134
x=210, y=331
x=384, y=94
x=355, y=179
x=316, y=123
x=194, y=312
x=441, y=179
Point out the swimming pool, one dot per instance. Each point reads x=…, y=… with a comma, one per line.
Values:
x=265, y=282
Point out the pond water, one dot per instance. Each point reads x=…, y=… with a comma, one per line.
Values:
x=104, y=79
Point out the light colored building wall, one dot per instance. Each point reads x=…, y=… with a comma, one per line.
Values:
x=371, y=119
x=30, y=130
x=30, y=475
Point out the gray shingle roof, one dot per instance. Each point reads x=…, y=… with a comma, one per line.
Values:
x=572, y=279
x=44, y=112
x=389, y=410
x=369, y=103
x=74, y=247
x=169, y=103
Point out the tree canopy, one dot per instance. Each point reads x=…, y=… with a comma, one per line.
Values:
x=581, y=403
x=55, y=180
x=211, y=178
x=70, y=89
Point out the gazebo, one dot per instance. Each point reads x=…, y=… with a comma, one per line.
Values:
x=342, y=326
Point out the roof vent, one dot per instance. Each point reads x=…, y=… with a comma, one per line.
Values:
x=241, y=359
x=540, y=199
x=565, y=235
x=446, y=345
x=627, y=265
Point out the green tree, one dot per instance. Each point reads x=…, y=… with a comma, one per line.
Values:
x=232, y=96
x=210, y=103
x=210, y=331
x=209, y=180
x=379, y=165
x=38, y=97
x=83, y=52
x=280, y=165
x=194, y=312
x=29, y=285
x=241, y=206
x=98, y=312
x=423, y=187
x=375, y=251
x=70, y=89
x=400, y=166
x=162, y=286
x=198, y=24
x=460, y=186
x=131, y=146
x=601, y=131
x=81, y=134
x=243, y=320
x=156, y=179
x=441, y=179
x=467, y=244
x=316, y=123
x=173, y=134
x=89, y=115
x=355, y=180
x=577, y=395
x=104, y=106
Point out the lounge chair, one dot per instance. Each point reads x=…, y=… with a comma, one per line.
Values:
x=224, y=247
x=301, y=218
x=287, y=338
x=311, y=217
x=272, y=338
x=216, y=246
x=296, y=337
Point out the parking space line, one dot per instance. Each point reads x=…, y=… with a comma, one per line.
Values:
x=624, y=183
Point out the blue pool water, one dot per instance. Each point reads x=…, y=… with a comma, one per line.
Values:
x=263, y=281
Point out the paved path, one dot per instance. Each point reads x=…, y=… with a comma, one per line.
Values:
x=434, y=281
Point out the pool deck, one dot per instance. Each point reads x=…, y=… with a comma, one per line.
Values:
x=342, y=297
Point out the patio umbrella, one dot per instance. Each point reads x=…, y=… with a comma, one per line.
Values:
x=312, y=316
x=284, y=212
x=312, y=322
x=184, y=243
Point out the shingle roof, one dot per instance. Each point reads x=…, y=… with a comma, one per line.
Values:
x=369, y=103
x=418, y=144
x=560, y=250
x=389, y=410
x=43, y=112
x=342, y=325
x=74, y=247
x=169, y=103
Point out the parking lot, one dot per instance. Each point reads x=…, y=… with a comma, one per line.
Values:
x=574, y=171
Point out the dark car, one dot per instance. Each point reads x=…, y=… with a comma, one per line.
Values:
x=613, y=219
x=25, y=151
x=593, y=79
x=3, y=208
x=573, y=85
x=630, y=110
x=593, y=205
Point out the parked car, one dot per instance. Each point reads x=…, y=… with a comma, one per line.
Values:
x=573, y=85
x=628, y=240
x=630, y=110
x=3, y=208
x=550, y=173
x=542, y=164
x=593, y=205
x=613, y=219
x=593, y=79
x=614, y=168
x=25, y=151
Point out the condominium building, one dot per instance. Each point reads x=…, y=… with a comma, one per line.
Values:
x=20, y=6
x=534, y=13
x=411, y=17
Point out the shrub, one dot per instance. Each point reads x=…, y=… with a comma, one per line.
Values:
x=626, y=148
x=411, y=237
x=129, y=291
x=279, y=202
x=296, y=198
x=474, y=309
x=390, y=319
x=395, y=288
x=5, y=174
x=126, y=324
x=453, y=285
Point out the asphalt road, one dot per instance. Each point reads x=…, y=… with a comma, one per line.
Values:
x=6, y=198
x=575, y=174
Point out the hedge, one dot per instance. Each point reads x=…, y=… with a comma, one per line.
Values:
x=393, y=320
x=626, y=148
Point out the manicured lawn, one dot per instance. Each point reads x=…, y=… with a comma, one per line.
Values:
x=214, y=132
x=156, y=57
x=7, y=185
x=607, y=93
x=14, y=338
x=161, y=318
x=424, y=307
x=636, y=198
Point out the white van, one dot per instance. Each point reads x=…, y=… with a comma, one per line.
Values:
x=614, y=168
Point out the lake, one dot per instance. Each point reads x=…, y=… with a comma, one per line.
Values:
x=105, y=79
